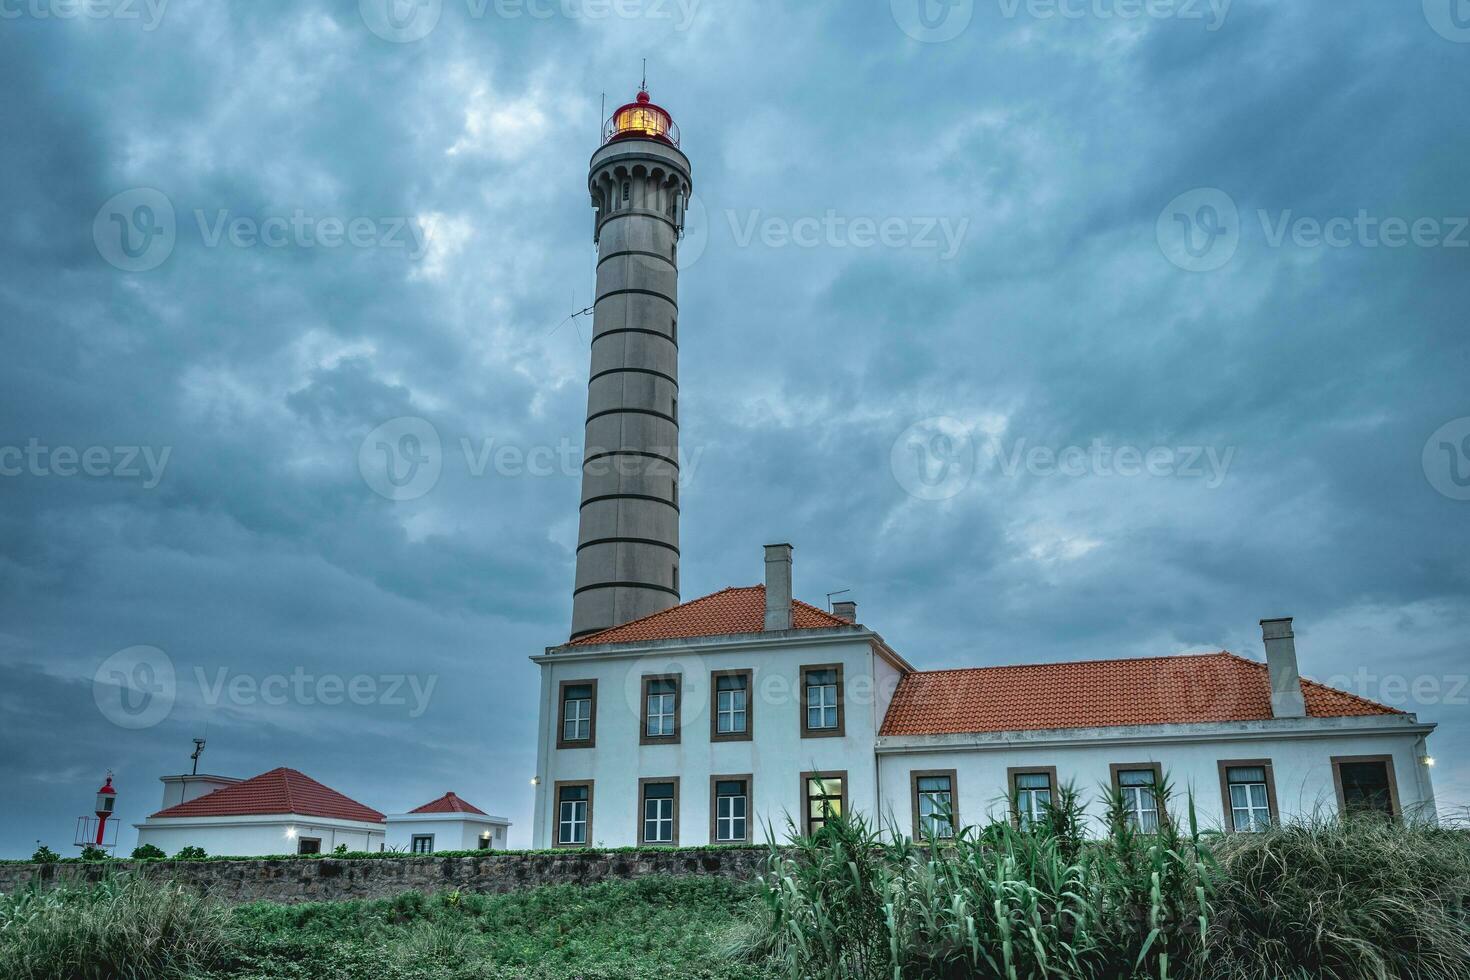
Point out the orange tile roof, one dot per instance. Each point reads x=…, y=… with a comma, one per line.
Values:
x=724, y=613
x=1217, y=687
x=278, y=791
x=449, y=803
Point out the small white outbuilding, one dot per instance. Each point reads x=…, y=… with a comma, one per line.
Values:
x=446, y=824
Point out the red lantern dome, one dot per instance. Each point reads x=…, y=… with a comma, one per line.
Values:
x=641, y=120
x=106, y=799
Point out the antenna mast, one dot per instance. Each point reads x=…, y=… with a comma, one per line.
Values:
x=198, y=751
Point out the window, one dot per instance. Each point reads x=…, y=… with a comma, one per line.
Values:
x=730, y=809
x=934, y=803
x=1031, y=793
x=484, y=841
x=1365, y=785
x=660, y=709
x=674, y=499
x=627, y=189
x=1138, y=785
x=659, y=819
x=308, y=845
x=730, y=706
x=573, y=814
x=422, y=844
x=822, y=710
x=674, y=409
x=1250, y=796
x=825, y=794
x=576, y=726
x=674, y=330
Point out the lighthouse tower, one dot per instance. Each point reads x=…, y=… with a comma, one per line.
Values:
x=628, y=544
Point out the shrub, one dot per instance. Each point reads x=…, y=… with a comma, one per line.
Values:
x=93, y=853
x=44, y=855
x=191, y=853
x=120, y=927
x=147, y=852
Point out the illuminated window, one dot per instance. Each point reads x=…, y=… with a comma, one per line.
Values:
x=826, y=797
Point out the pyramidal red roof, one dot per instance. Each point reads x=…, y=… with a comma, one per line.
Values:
x=724, y=613
x=278, y=791
x=449, y=803
x=1216, y=687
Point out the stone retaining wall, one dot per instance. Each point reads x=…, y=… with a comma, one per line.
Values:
x=335, y=879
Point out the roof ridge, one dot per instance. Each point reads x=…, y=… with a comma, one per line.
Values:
x=1321, y=686
x=1074, y=663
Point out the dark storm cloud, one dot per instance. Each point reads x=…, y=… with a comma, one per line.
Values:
x=1053, y=321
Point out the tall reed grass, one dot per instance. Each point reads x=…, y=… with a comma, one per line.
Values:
x=1329, y=899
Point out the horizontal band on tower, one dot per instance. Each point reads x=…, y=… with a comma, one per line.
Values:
x=652, y=333
x=648, y=541
x=629, y=370
x=629, y=452
x=629, y=496
x=636, y=292
x=638, y=251
x=626, y=585
x=634, y=411
x=633, y=213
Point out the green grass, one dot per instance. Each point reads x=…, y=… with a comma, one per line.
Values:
x=129, y=928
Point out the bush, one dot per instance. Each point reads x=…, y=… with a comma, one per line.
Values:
x=148, y=852
x=1321, y=900
x=93, y=853
x=121, y=927
x=191, y=853
x=44, y=855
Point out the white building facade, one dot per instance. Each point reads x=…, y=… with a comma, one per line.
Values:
x=708, y=722
x=445, y=824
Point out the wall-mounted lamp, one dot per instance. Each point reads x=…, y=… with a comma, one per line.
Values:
x=535, y=780
x=1428, y=760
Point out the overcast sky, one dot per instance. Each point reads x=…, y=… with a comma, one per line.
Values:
x=1052, y=333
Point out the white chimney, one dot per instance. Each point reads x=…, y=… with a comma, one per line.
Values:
x=845, y=610
x=1286, y=678
x=778, y=587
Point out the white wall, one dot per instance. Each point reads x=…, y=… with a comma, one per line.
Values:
x=450, y=833
x=775, y=757
x=1302, y=770
x=255, y=836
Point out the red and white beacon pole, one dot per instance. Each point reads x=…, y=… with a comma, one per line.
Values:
x=106, y=802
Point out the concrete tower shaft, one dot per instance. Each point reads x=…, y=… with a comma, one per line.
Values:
x=628, y=543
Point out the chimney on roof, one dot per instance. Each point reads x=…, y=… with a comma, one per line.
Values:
x=1286, y=678
x=778, y=587
x=845, y=610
